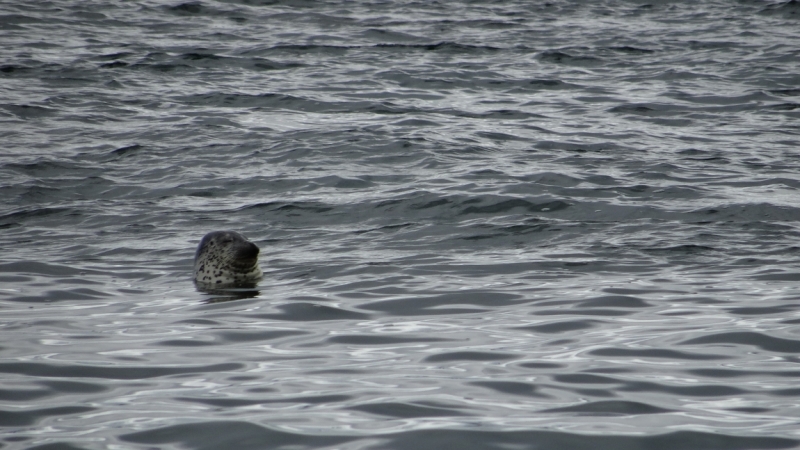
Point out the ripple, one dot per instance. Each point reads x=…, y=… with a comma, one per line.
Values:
x=655, y=353
x=29, y=417
x=611, y=407
x=408, y=411
x=749, y=338
x=111, y=373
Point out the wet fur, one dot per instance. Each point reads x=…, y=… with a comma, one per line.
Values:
x=226, y=259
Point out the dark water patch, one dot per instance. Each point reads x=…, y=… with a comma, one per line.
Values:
x=407, y=410
x=239, y=402
x=427, y=205
x=784, y=393
x=111, y=373
x=590, y=378
x=748, y=338
x=655, y=353
x=444, y=303
x=256, y=336
x=686, y=249
x=161, y=67
x=766, y=310
x=650, y=109
x=783, y=106
x=600, y=147
x=385, y=35
x=326, y=50
x=196, y=56
x=59, y=295
x=13, y=69
x=611, y=408
x=778, y=275
x=20, y=19
x=772, y=181
x=557, y=440
x=363, y=339
x=46, y=269
x=614, y=301
x=545, y=83
x=789, y=9
x=412, y=123
x=205, y=194
x=268, y=100
x=266, y=64
x=57, y=446
x=345, y=183
x=73, y=387
x=242, y=291
x=561, y=57
x=189, y=8
x=734, y=373
x=184, y=343
x=562, y=326
x=470, y=356
x=631, y=50
x=292, y=208
x=583, y=312
x=792, y=92
x=44, y=168
x=535, y=226
x=753, y=214
x=694, y=390
x=701, y=300
x=553, y=179
x=499, y=137
x=751, y=410
x=114, y=56
x=20, y=418
x=26, y=112
x=507, y=206
x=444, y=47
x=127, y=150
x=387, y=228
x=541, y=365
x=310, y=312
x=15, y=279
x=23, y=395
x=502, y=114
x=114, y=65
x=231, y=434
x=511, y=387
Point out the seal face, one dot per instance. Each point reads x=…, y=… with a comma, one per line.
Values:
x=225, y=259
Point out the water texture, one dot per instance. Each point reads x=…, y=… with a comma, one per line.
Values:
x=483, y=225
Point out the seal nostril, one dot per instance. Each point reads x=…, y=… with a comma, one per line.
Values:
x=248, y=251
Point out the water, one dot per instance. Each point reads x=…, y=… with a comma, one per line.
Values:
x=483, y=225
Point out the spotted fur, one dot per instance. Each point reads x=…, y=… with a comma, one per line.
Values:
x=226, y=259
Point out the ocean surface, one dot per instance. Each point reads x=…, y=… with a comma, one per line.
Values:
x=483, y=225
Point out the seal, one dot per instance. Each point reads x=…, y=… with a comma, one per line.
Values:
x=226, y=259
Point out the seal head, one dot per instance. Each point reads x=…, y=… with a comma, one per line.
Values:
x=226, y=259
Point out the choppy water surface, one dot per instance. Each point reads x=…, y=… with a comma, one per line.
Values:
x=483, y=225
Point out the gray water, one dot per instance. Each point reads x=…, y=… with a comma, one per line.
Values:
x=483, y=225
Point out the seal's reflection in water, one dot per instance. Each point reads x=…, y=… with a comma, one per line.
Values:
x=230, y=294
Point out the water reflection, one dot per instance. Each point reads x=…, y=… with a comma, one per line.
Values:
x=239, y=292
